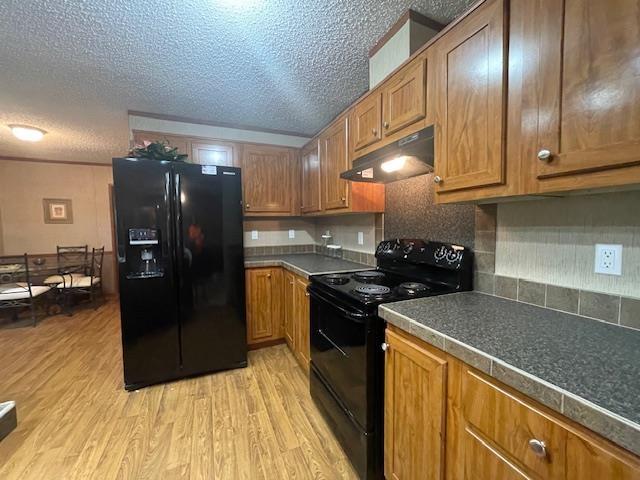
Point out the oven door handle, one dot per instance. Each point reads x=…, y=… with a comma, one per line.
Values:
x=355, y=316
x=334, y=344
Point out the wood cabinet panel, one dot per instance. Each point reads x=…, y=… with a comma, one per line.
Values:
x=175, y=141
x=334, y=161
x=497, y=417
x=590, y=461
x=264, y=304
x=288, y=300
x=311, y=179
x=470, y=101
x=483, y=462
x=267, y=179
x=403, y=97
x=218, y=153
x=302, y=322
x=414, y=409
x=366, y=121
x=588, y=105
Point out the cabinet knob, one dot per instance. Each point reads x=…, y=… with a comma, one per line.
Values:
x=437, y=179
x=374, y=131
x=247, y=206
x=538, y=447
x=268, y=275
x=306, y=294
x=384, y=346
x=385, y=124
x=544, y=155
x=344, y=199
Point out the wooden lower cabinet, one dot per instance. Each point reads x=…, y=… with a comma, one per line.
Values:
x=264, y=305
x=277, y=310
x=414, y=411
x=301, y=322
x=445, y=419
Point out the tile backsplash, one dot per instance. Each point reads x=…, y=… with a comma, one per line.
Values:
x=542, y=252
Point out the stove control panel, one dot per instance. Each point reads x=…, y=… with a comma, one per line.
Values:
x=437, y=254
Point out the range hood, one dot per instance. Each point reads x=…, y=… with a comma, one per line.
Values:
x=404, y=158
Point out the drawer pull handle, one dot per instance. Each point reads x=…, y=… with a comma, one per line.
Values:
x=544, y=155
x=539, y=448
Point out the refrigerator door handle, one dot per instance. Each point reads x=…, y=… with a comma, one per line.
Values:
x=178, y=227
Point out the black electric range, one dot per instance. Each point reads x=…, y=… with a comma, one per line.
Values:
x=347, y=362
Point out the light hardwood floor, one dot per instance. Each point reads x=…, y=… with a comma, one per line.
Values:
x=76, y=421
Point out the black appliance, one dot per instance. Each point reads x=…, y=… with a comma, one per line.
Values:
x=347, y=362
x=405, y=158
x=181, y=269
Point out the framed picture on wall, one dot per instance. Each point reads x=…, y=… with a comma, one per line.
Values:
x=57, y=210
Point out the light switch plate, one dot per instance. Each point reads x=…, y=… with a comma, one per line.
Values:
x=608, y=259
x=254, y=234
x=292, y=234
x=360, y=238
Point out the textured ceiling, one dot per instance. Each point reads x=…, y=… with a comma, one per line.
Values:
x=74, y=67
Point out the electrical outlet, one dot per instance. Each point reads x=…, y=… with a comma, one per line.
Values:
x=608, y=259
x=292, y=234
x=360, y=238
x=254, y=234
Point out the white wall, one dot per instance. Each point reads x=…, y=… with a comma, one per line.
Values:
x=553, y=241
x=219, y=133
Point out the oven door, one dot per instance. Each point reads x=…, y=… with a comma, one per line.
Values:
x=342, y=350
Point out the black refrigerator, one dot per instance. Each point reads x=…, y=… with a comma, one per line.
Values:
x=181, y=269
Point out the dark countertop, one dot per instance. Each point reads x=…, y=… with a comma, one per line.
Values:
x=305, y=264
x=585, y=369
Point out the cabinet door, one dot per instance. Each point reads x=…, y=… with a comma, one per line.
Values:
x=334, y=161
x=365, y=121
x=289, y=309
x=266, y=179
x=587, y=460
x=302, y=322
x=219, y=153
x=404, y=97
x=414, y=411
x=311, y=195
x=588, y=77
x=264, y=308
x=174, y=141
x=470, y=95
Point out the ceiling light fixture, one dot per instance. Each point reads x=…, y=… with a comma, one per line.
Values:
x=393, y=165
x=27, y=133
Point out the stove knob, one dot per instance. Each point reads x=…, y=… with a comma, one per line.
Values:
x=408, y=248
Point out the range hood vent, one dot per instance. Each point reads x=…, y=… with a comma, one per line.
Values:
x=404, y=158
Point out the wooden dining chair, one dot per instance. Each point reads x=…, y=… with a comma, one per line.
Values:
x=89, y=284
x=17, y=291
x=72, y=261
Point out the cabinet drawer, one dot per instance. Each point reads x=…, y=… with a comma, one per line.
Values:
x=507, y=424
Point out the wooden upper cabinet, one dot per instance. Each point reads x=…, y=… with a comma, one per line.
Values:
x=174, y=141
x=310, y=179
x=403, y=97
x=588, y=84
x=366, y=121
x=218, y=153
x=470, y=92
x=334, y=161
x=267, y=174
x=414, y=411
x=264, y=304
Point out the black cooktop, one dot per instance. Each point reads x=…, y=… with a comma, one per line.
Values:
x=407, y=268
x=375, y=286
